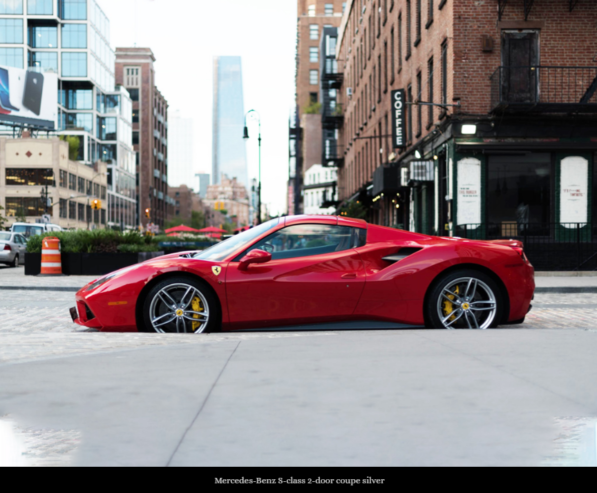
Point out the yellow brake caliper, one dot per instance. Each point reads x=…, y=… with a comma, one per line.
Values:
x=197, y=307
x=448, y=307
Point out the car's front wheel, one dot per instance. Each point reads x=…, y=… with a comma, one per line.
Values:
x=181, y=305
x=465, y=299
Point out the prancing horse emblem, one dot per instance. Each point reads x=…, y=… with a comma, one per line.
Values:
x=216, y=270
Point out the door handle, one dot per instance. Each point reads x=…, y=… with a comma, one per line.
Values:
x=350, y=275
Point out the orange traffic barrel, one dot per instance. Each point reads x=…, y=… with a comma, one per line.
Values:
x=51, y=260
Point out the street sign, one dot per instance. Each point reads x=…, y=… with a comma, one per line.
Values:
x=398, y=119
x=46, y=219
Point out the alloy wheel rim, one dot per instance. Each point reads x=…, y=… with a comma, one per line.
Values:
x=467, y=303
x=179, y=308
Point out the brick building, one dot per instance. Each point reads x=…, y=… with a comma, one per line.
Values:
x=135, y=71
x=231, y=196
x=305, y=126
x=499, y=118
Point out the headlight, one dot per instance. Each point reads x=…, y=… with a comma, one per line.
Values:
x=99, y=282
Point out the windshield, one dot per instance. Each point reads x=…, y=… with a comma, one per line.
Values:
x=219, y=252
x=28, y=230
x=5, y=236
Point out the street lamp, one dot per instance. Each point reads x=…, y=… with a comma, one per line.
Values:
x=255, y=115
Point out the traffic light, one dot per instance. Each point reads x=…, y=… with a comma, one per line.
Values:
x=96, y=204
x=220, y=206
x=147, y=212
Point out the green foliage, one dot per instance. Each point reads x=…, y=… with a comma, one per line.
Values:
x=98, y=241
x=353, y=209
x=197, y=221
x=73, y=146
x=314, y=108
x=316, y=243
x=229, y=227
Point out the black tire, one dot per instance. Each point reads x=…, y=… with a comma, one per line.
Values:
x=484, y=283
x=15, y=262
x=174, y=284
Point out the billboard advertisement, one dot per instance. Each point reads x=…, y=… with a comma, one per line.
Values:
x=28, y=98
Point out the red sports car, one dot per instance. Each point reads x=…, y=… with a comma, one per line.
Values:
x=316, y=269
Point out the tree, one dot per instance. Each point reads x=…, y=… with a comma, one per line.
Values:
x=353, y=209
x=2, y=219
x=314, y=108
x=197, y=221
x=73, y=146
x=229, y=227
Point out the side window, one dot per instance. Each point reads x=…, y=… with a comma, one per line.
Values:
x=305, y=240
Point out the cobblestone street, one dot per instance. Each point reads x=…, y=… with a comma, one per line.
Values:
x=37, y=324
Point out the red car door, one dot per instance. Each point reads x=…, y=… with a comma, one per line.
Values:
x=299, y=285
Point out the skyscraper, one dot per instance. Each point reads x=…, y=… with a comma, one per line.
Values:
x=228, y=150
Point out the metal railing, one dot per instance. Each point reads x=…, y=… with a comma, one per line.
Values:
x=548, y=246
x=541, y=85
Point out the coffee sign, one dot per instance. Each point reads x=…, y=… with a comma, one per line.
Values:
x=398, y=118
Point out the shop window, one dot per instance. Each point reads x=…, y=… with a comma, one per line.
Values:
x=519, y=193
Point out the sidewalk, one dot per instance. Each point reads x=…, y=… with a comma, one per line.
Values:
x=547, y=282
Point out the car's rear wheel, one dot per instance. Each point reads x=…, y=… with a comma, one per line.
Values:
x=465, y=299
x=181, y=305
x=15, y=262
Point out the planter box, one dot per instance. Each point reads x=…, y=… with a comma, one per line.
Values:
x=89, y=264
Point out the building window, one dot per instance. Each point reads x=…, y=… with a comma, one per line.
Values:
x=134, y=93
x=379, y=78
x=135, y=138
x=77, y=99
x=408, y=29
x=11, y=31
x=313, y=54
x=106, y=128
x=519, y=191
x=444, y=74
x=313, y=31
x=73, y=10
x=418, y=23
x=74, y=36
x=74, y=64
x=11, y=7
x=135, y=116
x=43, y=37
x=385, y=66
x=429, y=13
x=81, y=185
x=25, y=206
x=314, y=77
x=29, y=177
x=131, y=77
x=63, y=179
x=44, y=60
x=343, y=6
x=72, y=210
x=400, y=42
x=40, y=7
x=409, y=113
x=77, y=121
x=72, y=182
x=329, y=9
x=11, y=57
x=430, y=92
x=419, y=106
x=392, y=57
x=81, y=212
x=311, y=10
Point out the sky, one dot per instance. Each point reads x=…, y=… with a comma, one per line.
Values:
x=185, y=35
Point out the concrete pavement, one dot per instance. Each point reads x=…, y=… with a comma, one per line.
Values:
x=415, y=397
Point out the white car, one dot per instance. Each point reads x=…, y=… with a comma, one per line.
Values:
x=28, y=230
x=13, y=247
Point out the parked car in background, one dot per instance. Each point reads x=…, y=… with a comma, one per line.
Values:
x=12, y=249
x=27, y=229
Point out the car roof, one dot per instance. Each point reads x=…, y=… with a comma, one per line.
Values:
x=324, y=219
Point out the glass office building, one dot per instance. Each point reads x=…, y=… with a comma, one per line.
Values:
x=72, y=38
x=228, y=152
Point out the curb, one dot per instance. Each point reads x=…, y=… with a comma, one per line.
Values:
x=541, y=290
x=39, y=288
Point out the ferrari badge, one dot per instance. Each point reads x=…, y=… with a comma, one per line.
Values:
x=216, y=270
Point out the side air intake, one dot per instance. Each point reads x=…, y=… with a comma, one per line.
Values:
x=402, y=254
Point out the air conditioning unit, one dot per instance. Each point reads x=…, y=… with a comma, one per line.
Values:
x=349, y=92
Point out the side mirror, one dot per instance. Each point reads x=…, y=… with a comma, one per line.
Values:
x=254, y=257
